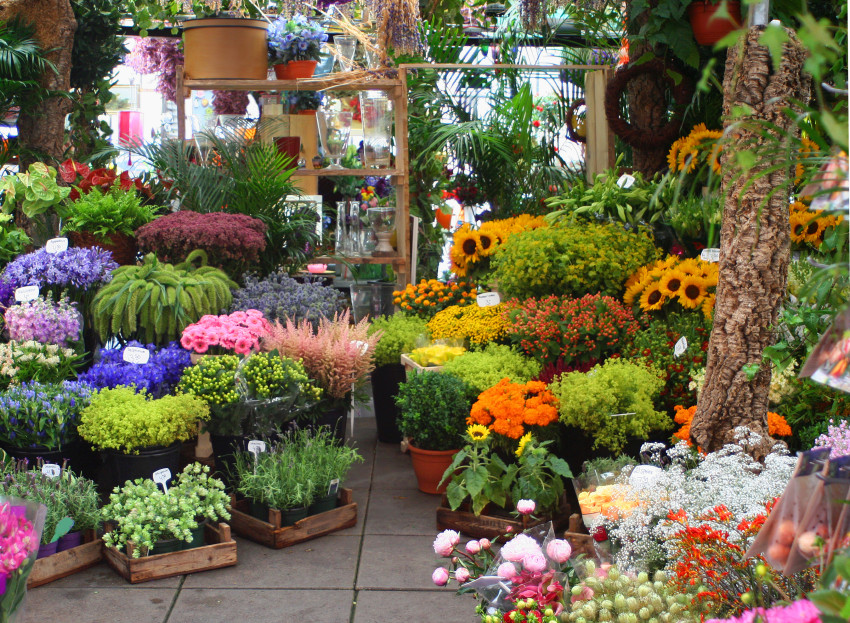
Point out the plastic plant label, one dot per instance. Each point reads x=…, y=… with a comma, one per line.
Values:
x=625, y=181
x=161, y=477
x=644, y=476
x=256, y=446
x=51, y=470
x=363, y=346
x=135, y=354
x=488, y=299
x=26, y=293
x=334, y=486
x=56, y=245
x=680, y=347
x=710, y=255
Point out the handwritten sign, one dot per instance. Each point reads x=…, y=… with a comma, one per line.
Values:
x=255, y=446
x=710, y=255
x=625, y=181
x=644, y=476
x=56, y=245
x=680, y=347
x=26, y=293
x=488, y=299
x=161, y=477
x=135, y=354
x=51, y=470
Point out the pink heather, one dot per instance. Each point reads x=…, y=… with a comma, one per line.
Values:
x=445, y=543
x=559, y=550
x=440, y=577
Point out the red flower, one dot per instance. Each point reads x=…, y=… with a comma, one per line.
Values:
x=600, y=534
x=535, y=123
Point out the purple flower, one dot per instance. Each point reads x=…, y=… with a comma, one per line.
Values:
x=42, y=414
x=158, y=376
x=837, y=438
x=44, y=321
x=73, y=268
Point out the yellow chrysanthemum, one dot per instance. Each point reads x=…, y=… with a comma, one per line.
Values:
x=523, y=441
x=708, y=305
x=671, y=281
x=692, y=292
x=652, y=298
x=478, y=432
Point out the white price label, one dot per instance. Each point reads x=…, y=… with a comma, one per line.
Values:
x=644, y=476
x=488, y=299
x=56, y=245
x=256, y=446
x=710, y=255
x=26, y=293
x=51, y=470
x=161, y=477
x=363, y=346
x=680, y=347
x=135, y=354
x=625, y=181
x=334, y=486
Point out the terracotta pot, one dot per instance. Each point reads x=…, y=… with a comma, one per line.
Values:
x=708, y=30
x=429, y=466
x=122, y=246
x=295, y=69
x=223, y=48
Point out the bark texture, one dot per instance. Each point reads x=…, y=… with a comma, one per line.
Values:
x=754, y=245
x=648, y=113
x=41, y=130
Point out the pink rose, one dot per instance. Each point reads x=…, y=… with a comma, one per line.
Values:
x=506, y=570
x=473, y=547
x=525, y=507
x=440, y=577
x=445, y=542
x=559, y=550
x=462, y=575
x=535, y=563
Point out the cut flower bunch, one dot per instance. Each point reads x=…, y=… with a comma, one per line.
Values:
x=673, y=283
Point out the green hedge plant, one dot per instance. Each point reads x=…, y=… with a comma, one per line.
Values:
x=482, y=369
x=433, y=407
x=401, y=334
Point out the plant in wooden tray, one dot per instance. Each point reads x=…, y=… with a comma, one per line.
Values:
x=42, y=415
x=154, y=301
x=141, y=513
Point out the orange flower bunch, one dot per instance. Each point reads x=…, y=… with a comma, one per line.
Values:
x=428, y=297
x=507, y=408
x=777, y=426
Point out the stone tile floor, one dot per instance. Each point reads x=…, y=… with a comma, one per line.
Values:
x=379, y=571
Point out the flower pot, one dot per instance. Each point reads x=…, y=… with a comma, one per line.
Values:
x=333, y=419
x=122, y=246
x=225, y=48
x=385, y=382
x=47, y=549
x=122, y=467
x=288, y=516
x=69, y=541
x=32, y=455
x=165, y=546
x=709, y=29
x=259, y=510
x=322, y=505
x=223, y=448
x=429, y=467
x=197, y=536
x=295, y=69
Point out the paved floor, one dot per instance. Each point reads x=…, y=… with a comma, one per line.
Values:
x=379, y=571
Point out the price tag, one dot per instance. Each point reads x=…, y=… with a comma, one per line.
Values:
x=256, y=446
x=26, y=293
x=710, y=255
x=363, y=346
x=56, y=245
x=51, y=470
x=334, y=486
x=135, y=354
x=680, y=347
x=161, y=477
x=488, y=299
x=645, y=476
x=625, y=181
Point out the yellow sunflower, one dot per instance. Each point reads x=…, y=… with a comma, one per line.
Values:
x=814, y=230
x=478, y=432
x=798, y=206
x=692, y=292
x=652, y=298
x=708, y=305
x=799, y=221
x=487, y=244
x=671, y=281
x=634, y=290
x=637, y=276
x=668, y=262
x=690, y=266
x=523, y=441
x=467, y=243
x=673, y=154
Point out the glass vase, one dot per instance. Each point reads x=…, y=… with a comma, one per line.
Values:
x=354, y=228
x=377, y=114
x=341, y=229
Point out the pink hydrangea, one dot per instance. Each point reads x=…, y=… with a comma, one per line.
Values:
x=559, y=550
x=520, y=547
x=445, y=542
x=440, y=577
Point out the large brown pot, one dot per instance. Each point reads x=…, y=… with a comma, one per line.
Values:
x=122, y=246
x=709, y=29
x=223, y=48
x=429, y=467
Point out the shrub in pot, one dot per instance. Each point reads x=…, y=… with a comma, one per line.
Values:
x=433, y=408
x=482, y=369
x=157, y=377
x=282, y=298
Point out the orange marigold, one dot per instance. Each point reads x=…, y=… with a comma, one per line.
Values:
x=777, y=426
x=507, y=408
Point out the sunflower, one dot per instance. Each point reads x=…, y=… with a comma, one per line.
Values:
x=692, y=292
x=466, y=243
x=708, y=305
x=798, y=220
x=668, y=262
x=671, y=281
x=486, y=243
x=690, y=266
x=673, y=154
x=814, y=230
x=522, y=443
x=634, y=290
x=458, y=268
x=652, y=298
x=798, y=206
x=478, y=432
x=637, y=276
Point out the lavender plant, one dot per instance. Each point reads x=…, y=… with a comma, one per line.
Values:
x=280, y=297
x=157, y=377
x=42, y=414
x=44, y=321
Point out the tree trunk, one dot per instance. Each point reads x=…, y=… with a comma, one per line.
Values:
x=41, y=130
x=647, y=112
x=754, y=243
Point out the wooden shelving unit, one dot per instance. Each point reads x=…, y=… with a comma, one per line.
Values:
x=396, y=90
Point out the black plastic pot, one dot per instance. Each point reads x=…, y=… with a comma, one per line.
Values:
x=322, y=505
x=385, y=382
x=333, y=419
x=120, y=467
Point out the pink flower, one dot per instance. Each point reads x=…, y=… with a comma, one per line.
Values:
x=473, y=547
x=186, y=341
x=485, y=543
x=440, y=577
x=243, y=346
x=525, y=507
x=520, y=547
x=559, y=550
x=199, y=346
x=535, y=563
x=506, y=570
x=238, y=316
x=445, y=542
x=462, y=575
x=253, y=313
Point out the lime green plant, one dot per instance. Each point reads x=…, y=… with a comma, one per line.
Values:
x=400, y=334
x=482, y=369
x=154, y=302
x=611, y=402
x=212, y=379
x=13, y=241
x=571, y=259
x=34, y=191
x=124, y=420
x=101, y=213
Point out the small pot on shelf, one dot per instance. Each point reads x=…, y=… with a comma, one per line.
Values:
x=708, y=27
x=294, y=70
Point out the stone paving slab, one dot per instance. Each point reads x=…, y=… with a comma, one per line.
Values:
x=104, y=576
x=102, y=605
x=261, y=606
x=402, y=512
x=375, y=606
x=397, y=562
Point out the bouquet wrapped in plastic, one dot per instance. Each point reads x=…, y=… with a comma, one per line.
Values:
x=21, y=523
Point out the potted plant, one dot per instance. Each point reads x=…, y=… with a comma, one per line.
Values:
x=38, y=196
x=294, y=47
x=44, y=321
x=710, y=22
x=32, y=361
x=165, y=522
x=433, y=408
x=399, y=334
x=107, y=220
x=331, y=463
x=482, y=369
x=280, y=297
x=157, y=377
x=137, y=433
x=239, y=332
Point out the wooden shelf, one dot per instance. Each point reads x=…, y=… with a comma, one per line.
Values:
x=327, y=259
x=340, y=172
x=307, y=84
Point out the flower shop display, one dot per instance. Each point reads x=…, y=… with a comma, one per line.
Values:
x=22, y=362
x=45, y=321
x=433, y=356
x=21, y=524
x=777, y=426
x=472, y=248
x=432, y=296
x=809, y=228
x=673, y=283
x=158, y=377
x=156, y=301
x=294, y=47
x=484, y=368
x=75, y=272
x=477, y=325
x=240, y=332
x=281, y=297
x=233, y=242
x=432, y=413
x=571, y=259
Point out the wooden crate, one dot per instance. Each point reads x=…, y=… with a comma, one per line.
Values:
x=219, y=551
x=66, y=563
x=412, y=366
x=580, y=540
x=491, y=526
x=272, y=534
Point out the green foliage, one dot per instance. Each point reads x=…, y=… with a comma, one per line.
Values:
x=433, y=408
x=154, y=302
x=571, y=259
x=611, y=402
x=833, y=602
x=34, y=191
x=401, y=334
x=665, y=22
x=482, y=369
x=13, y=241
x=22, y=63
x=124, y=420
x=104, y=213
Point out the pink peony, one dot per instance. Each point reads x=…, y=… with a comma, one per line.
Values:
x=520, y=547
x=445, y=542
x=559, y=550
x=462, y=575
x=525, y=507
x=440, y=576
x=536, y=563
x=485, y=543
x=506, y=570
x=473, y=547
